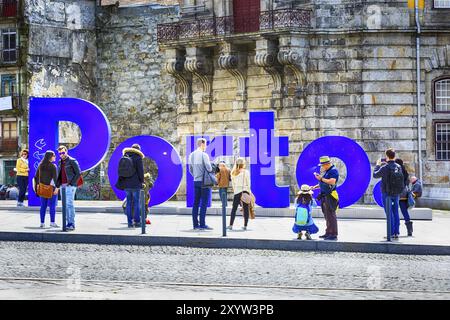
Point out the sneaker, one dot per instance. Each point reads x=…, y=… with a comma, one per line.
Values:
x=206, y=228
x=308, y=236
x=244, y=228
x=137, y=224
x=42, y=226
x=323, y=236
x=299, y=236
x=20, y=204
x=230, y=228
x=53, y=225
x=70, y=227
x=130, y=226
x=330, y=238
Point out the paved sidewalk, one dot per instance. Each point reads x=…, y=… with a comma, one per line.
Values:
x=359, y=235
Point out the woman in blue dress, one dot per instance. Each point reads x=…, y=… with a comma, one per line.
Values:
x=303, y=213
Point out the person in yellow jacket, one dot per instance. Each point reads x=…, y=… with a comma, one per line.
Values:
x=22, y=170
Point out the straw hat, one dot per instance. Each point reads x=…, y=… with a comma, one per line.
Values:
x=324, y=160
x=305, y=189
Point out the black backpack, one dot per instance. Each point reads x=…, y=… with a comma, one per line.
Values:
x=126, y=167
x=395, y=182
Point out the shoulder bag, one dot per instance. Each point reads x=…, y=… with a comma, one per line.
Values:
x=245, y=197
x=209, y=178
x=43, y=190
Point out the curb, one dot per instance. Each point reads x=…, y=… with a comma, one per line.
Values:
x=346, y=213
x=228, y=243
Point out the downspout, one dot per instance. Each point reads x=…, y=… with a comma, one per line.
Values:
x=418, y=70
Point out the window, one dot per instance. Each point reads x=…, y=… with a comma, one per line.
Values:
x=442, y=4
x=8, y=85
x=442, y=95
x=9, y=130
x=443, y=141
x=9, y=51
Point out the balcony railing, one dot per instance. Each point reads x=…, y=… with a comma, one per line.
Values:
x=8, y=8
x=224, y=26
x=9, y=145
x=16, y=100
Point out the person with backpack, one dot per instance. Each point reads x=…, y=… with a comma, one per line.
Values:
x=404, y=202
x=303, y=213
x=200, y=168
x=69, y=178
x=392, y=185
x=328, y=197
x=131, y=179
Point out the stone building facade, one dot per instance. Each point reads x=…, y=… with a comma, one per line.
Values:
x=326, y=67
x=177, y=68
x=12, y=87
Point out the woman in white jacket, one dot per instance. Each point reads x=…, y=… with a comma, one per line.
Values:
x=240, y=178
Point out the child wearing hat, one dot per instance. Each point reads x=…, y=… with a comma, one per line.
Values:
x=303, y=213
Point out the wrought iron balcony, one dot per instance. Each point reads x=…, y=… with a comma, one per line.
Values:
x=8, y=8
x=9, y=145
x=291, y=19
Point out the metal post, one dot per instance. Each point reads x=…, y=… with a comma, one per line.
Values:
x=64, y=208
x=388, y=217
x=418, y=80
x=224, y=216
x=142, y=206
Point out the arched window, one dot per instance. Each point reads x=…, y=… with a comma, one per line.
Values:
x=442, y=95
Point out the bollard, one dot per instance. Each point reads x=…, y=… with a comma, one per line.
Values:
x=224, y=217
x=64, y=208
x=142, y=206
x=388, y=219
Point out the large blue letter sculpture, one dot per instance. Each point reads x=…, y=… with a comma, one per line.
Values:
x=219, y=146
x=348, y=151
x=167, y=159
x=263, y=147
x=45, y=115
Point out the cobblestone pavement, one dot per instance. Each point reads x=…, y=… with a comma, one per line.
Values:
x=133, y=272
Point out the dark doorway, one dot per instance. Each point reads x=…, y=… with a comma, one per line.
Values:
x=246, y=15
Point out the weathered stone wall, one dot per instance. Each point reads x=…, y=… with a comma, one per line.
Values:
x=61, y=52
x=136, y=96
x=361, y=83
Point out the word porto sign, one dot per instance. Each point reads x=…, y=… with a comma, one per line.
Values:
x=261, y=147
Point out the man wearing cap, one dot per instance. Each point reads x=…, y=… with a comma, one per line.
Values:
x=329, y=200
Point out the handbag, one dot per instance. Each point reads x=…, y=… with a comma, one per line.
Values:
x=43, y=190
x=245, y=197
x=209, y=178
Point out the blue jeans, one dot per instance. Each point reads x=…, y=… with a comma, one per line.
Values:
x=133, y=204
x=404, y=208
x=201, y=199
x=223, y=193
x=70, y=198
x=51, y=203
x=391, y=205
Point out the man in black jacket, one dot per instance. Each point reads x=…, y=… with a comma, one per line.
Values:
x=69, y=174
x=133, y=184
x=385, y=169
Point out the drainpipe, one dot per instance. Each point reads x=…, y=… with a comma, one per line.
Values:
x=418, y=69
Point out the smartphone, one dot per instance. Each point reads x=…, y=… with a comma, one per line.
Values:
x=383, y=159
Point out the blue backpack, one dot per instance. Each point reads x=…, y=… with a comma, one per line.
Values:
x=301, y=216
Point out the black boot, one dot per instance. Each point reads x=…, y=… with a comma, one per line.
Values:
x=409, y=227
